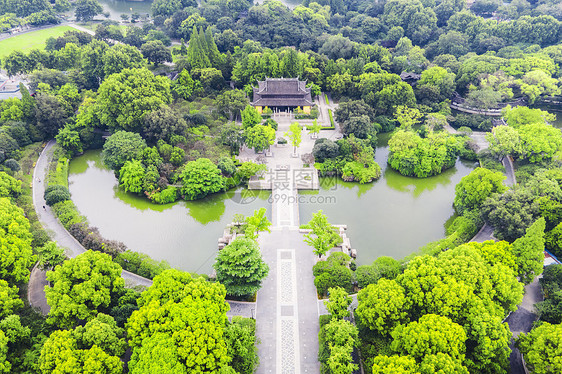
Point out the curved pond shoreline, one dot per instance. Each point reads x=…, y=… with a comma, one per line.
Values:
x=393, y=216
x=183, y=233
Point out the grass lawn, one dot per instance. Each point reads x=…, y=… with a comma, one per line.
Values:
x=30, y=40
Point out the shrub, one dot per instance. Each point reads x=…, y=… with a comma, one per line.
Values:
x=169, y=195
x=56, y=195
x=12, y=164
x=141, y=264
x=334, y=272
x=67, y=213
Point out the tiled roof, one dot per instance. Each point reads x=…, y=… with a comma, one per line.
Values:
x=282, y=92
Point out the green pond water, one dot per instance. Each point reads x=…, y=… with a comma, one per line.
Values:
x=393, y=216
x=118, y=7
x=184, y=233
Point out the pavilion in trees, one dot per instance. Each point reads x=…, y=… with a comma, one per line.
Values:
x=282, y=94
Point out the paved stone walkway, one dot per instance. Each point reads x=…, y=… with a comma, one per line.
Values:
x=58, y=233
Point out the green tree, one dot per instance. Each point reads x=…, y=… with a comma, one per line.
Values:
x=16, y=255
x=184, y=86
x=473, y=189
x=50, y=255
x=314, y=130
x=529, y=252
x=240, y=268
x=394, y=364
x=82, y=350
x=201, y=178
x=431, y=335
x=542, y=348
x=523, y=115
x=9, y=299
x=338, y=303
x=179, y=326
x=69, y=140
x=540, y=142
x=504, y=141
x=383, y=306
x=131, y=176
x=82, y=287
x=121, y=56
x=196, y=52
x=232, y=102
x=295, y=135
x=125, y=98
x=259, y=221
x=510, y=213
x=250, y=117
x=156, y=52
x=121, y=147
x=86, y=10
x=324, y=236
x=259, y=137
x=240, y=335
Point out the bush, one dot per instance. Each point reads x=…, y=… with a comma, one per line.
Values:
x=281, y=141
x=334, y=272
x=60, y=175
x=271, y=123
x=240, y=336
x=12, y=164
x=67, y=213
x=169, y=195
x=141, y=264
x=56, y=194
x=355, y=171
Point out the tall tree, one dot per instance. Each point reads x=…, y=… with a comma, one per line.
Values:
x=86, y=10
x=179, y=326
x=82, y=287
x=196, y=53
x=240, y=268
x=125, y=98
x=529, y=252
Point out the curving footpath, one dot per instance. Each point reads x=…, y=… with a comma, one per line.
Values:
x=57, y=232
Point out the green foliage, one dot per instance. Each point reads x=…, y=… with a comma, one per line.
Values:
x=259, y=137
x=529, y=252
x=542, y=348
x=9, y=186
x=382, y=267
x=258, y=221
x=473, y=189
x=95, y=347
x=250, y=117
x=125, y=98
x=240, y=268
x=131, y=176
x=9, y=299
x=394, y=364
x=179, y=326
x=141, y=264
x=325, y=235
x=121, y=147
x=55, y=194
x=550, y=310
x=67, y=213
x=201, y=178
x=241, y=344
x=333, y=272
x=431, y=335
x=383, y=306
x=338, y=303
x=295, y=135
x=82, y=287
x=50, y=255
x=412, y=155
x=511, y=213
x=16, y=256
x=522, y=115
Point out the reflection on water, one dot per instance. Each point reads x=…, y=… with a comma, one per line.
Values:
x=118, y=7
x=183, y=233
x=393, y=216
